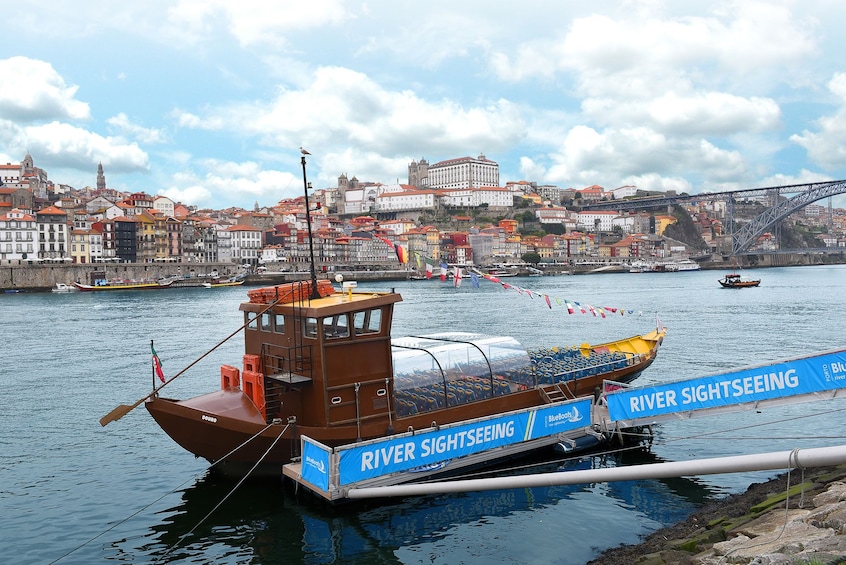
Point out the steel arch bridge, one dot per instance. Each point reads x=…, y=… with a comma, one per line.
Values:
x=744, y=237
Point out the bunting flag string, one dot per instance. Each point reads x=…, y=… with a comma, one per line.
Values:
x=402, y=252
x=572, y=306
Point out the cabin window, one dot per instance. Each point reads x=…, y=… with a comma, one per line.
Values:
x=265, y=322
x=310, y=327
x=279, y=323
x=368, y=322
x=336, y=327
x=252, y=323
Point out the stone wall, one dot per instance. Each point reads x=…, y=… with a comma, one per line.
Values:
x=45, y=277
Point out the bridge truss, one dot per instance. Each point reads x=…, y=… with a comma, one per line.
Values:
x=745, y=236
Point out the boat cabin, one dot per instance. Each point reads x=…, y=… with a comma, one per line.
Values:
x=326, y=361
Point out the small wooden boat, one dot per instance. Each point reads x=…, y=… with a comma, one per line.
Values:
x=62, y=287
x=104, y=285
x=734, y=280
x=216, y=284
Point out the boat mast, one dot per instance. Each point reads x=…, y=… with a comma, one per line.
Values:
x=306, y=186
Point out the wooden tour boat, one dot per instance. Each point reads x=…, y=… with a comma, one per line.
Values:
x=325, y=396
x=734, y=280
x=323, y=366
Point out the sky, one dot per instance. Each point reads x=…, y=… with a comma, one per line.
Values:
x=208, y=101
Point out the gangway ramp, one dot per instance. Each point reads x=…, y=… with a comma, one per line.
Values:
x=819, y=376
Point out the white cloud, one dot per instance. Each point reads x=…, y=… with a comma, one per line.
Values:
x=66, y=145
x=591, y=156
x=343, y=108
x=142, y=134
x=32, y=90
x=827, y=146
x=251, y=21
x=227, y=181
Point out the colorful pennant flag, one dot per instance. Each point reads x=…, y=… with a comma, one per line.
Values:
x=597, y=311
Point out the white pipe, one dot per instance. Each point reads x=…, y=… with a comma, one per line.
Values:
x=814, y=457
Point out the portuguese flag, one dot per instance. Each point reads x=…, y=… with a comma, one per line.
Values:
x=157, y=363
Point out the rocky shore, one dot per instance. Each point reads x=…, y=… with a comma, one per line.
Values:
x=772, y=523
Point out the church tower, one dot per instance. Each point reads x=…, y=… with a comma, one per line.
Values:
x=101, y=178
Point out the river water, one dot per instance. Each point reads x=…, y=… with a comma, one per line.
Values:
x=72, y=491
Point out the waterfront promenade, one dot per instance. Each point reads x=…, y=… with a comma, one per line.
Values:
x=43, y=277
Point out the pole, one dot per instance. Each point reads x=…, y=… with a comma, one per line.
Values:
x=314, y=293
x=813, y=457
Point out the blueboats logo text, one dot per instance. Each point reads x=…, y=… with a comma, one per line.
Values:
x=319, y=466
x=571, y=416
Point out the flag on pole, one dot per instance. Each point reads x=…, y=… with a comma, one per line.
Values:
x=157, y=364
x=444, y=268
x=456, y=281
x=428, y=270
x=475, y=279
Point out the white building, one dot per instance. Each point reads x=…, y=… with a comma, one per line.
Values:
x=464, y=172
x=164, y=205
x=405, y=200
x=624, y=192
x=246, y=244
x=492, y=196
x=557, y=215
x=224, y=243
x=18, y=237
x=598, y=220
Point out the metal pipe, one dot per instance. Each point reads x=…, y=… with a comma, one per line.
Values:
x=813, y=457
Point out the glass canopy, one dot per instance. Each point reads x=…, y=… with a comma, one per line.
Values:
x=446, y=369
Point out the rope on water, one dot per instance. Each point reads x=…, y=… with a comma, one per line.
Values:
x=225, y=498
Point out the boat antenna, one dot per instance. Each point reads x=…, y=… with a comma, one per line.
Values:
x=306, y=185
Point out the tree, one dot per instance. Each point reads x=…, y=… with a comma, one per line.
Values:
x=532, y=257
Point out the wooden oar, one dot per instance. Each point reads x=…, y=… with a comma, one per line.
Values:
x=124, y=409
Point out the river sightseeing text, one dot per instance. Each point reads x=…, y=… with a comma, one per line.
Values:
x=716, y=390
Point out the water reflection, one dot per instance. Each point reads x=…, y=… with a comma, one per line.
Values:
x=268, y=522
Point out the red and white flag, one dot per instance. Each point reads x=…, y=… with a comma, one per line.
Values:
x=457, y=278
x=428, y=270
x=157, y=364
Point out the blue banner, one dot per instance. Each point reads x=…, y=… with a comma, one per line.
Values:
x=409, y=452
x=315, y=464
x=789, y=378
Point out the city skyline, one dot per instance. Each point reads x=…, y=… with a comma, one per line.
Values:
x=210, y=103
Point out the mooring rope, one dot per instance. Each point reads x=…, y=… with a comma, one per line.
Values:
x=792, y=461
x=225, y=498
x=143, y=508
x=770, y=423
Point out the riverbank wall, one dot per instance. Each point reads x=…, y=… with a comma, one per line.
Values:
x=794, y=519
x=43, y=278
